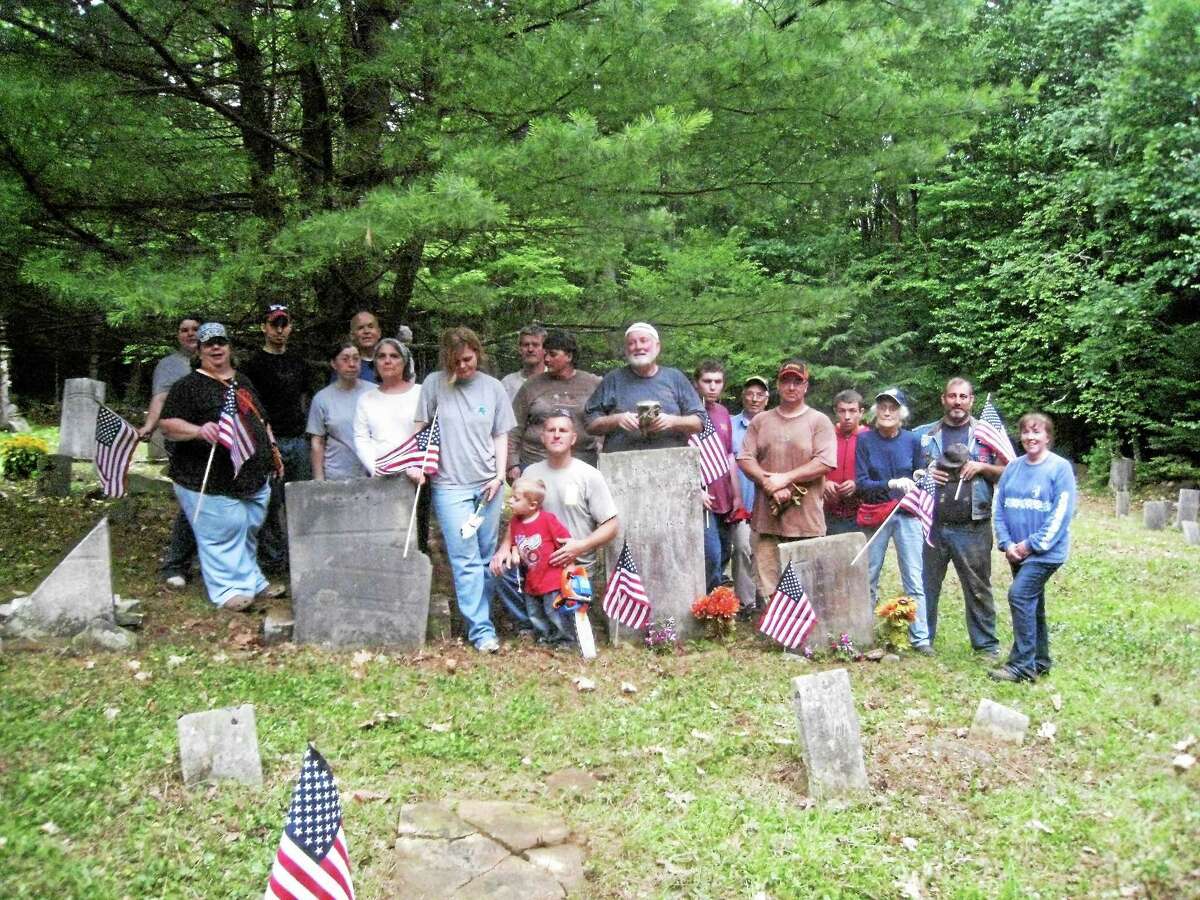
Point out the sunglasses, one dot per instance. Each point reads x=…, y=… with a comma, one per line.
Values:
x=279, y=322
x=217, y=342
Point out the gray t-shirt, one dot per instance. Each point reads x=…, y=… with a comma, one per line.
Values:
x=621, y=390
x=331, y=416
x=512, y=383
x=470, y=413
x=169, y=370
x=578, y=496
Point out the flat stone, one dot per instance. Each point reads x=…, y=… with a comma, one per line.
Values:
x=54, y=475
x=830, y=739
x=102, y=635
x=875, y=655
x=513, y=879
x=1191, y=532
x=277, y=626
x=564, y=862
x=997, y=722
x=437, y=868
x=840, y=593
x=891, y=658
x=351, y=584
x=77, y=427
x=660, y=515
x=220, y=744
x=128, y=612
x=518, y=826
x=1122, y=503
x=431, y=820
x=572, y=781
x=77, y=593
x=1188, y=506
x=148, y=484
x=1154, y=514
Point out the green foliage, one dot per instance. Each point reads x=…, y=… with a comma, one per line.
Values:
x=1168, y=468
x=20, y=456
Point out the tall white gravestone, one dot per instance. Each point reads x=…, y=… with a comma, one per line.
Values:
x=77, y=428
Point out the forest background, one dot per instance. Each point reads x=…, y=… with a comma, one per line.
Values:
x=899, y=191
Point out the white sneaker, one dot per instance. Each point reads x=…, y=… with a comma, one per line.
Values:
x=488, y=645
x=175, y=582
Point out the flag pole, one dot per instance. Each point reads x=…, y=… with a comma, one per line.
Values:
x=203, y=484
x=876, y=534
x=412, y=517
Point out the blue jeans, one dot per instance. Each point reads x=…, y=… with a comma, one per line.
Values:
x=718, y=544
x=905, y=530
x=834, y=525
x=508, y=591
x=548, y=622
x=969, y=546
x=1030, y=656
x=227, y=541
x=297, y=466
x=469, y=557
x=181, y=547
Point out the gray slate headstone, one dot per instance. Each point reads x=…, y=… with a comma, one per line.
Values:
x=156, y=448
x=220, y=744
x=1188, y=507
x=77, y=593
x=77, y=428
x=839, y=592
x=657, y=493
x=1122, y=503
x=829, y=734
x=1154, y=514
x=1120, y=474
x=54, y=475
x=351, y=584
x=995, y=721
x=1191, y=533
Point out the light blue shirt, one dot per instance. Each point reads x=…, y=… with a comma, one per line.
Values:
x=740, y=424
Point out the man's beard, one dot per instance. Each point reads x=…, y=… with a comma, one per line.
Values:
x=641, y=360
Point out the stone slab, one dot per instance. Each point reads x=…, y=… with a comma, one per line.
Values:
x=156, y=448
x=1188, y=506
x=830, y=739
x=77, y=593
x=571, y=781
x=220, y=744
x=54, y=475
x=657, y=494
x=1120, y=474
x=431, y=820
x=1122, y=501
x=513, y=879
x=839, y=592
x=351, y=585
x=518, y=826
x=997, y=722
x=77, y=427
x=564, y=862
x=1191, y=533
x=437, y=868
x=1154, y=514
x=278, y=625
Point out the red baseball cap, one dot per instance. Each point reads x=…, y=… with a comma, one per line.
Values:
x=793, y=368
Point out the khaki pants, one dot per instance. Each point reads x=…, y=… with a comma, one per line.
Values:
x=766, y=560
x=743, y=564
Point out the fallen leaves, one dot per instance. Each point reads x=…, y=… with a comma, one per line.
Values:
x=583, y=684
x=1047, y=730
x=364, y=796
x=1039, y=825
x=380, y=718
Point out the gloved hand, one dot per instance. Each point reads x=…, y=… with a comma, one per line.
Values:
x=903, y=485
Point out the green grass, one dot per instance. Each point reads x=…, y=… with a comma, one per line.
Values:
x=702, y=791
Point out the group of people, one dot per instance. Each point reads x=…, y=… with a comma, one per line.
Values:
x=792, y=472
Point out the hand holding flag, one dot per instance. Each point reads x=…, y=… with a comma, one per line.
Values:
x=990, y=431
x=422, y=451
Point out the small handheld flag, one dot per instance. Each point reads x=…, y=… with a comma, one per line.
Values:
x=789, y=616
x=116, y=440
x=421, y=451
x=625, y=597
x=921, y=502
x=714, y=461
x=232, y=433
x=989, y=430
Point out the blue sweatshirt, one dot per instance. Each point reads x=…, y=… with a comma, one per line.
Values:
x=877, y=460
x=1035, y=503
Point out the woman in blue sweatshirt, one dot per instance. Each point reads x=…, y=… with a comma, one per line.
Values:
x=1034, y=503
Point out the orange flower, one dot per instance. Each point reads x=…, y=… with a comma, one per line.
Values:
x=722, y=603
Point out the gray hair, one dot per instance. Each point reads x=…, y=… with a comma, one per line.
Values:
x=905, y=413
x=533, y=330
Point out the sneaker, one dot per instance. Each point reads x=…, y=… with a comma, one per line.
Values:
x=237, y=603
x=175, y=582
x=924, y=650
x=1004, y=673
x=273, y=591
x=488, y=645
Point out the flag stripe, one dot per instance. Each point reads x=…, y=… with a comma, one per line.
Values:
x=307, y=874
x=789, y=616
x=116, y=441
x=422, y=449
x=625, y=597
x=714, y=460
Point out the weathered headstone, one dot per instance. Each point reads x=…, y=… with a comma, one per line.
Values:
x=1188, y=507
x=54, y=475
x=1191, y=533
x=156, y=449
x=1154, y=514
x=995, y=721
x=660, y=514
x=351, y=584
x=1122, y=503
x=839, y=592
x=77, y=428
x=1120, y=474
x=830, y=740
x=220, y=744
x=77, y=593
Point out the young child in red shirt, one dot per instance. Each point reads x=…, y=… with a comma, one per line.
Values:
x=534, y=534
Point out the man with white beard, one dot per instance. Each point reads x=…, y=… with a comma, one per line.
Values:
x=643, y=406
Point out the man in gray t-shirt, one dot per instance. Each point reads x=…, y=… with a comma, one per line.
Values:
x=612, y=410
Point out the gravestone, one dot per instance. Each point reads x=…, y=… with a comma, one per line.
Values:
x=1120, y=474
x=839, y=592
x=995, y=721
x=657, y=493
x=156, y=448
x=220, y=744
x=1189, y=505
x=830, y=740
x=1122, y=503
x=77, y=593
x=54, y=475
x=351, y=584
x=1154, y=514
x=1191, y=533
x=77, y=428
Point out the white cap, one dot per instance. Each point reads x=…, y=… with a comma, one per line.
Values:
x=642, y=326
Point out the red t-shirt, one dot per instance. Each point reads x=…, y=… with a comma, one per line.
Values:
x=844, y=507
x=535, y=541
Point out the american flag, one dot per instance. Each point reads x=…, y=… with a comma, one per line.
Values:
x=232, y=433
x=312, y=861
x=921, y=502
x=116, y=440
x=789, y=616
x=625, y=597
x=422, y=450
x=714, y=461
x=989, y=430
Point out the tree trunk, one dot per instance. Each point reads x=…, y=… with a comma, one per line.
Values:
x=316, y=137
x=253, y=96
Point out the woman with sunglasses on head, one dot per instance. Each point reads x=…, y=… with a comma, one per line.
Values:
x=222, y=491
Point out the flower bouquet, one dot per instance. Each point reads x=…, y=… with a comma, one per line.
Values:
x=664, y=638
x=843, y=648
x=894, y=617
x=717, y=610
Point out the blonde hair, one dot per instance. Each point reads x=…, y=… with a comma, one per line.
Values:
x=453, y=342
x=533, y=488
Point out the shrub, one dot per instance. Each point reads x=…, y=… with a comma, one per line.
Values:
x=1098, y=461
x=1167, y=468
x=20, y=456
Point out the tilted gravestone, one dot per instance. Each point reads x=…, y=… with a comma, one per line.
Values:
x=830, y=739
x=840, y=593
x=1154, y=514
x=220, y=744
x=1191, y=533
x=1120, y=474
x=351, y=584
x=1122, y=503
x=1189, y=505
x=77, y=428
x=657, y=494
x=997, y=722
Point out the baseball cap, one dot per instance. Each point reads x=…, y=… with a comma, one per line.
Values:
x=759, y=380
x=275, y=311
x=800, y=370
x=895, y=394
x=211, y=331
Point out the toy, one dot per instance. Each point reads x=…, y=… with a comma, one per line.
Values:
x=576, y=596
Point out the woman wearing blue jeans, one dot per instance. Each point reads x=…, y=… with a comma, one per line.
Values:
x=474, y=416
x=1032, y=510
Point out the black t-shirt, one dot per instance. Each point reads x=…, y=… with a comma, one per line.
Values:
x=283, y=380
x=952, y=509
x=197, y=398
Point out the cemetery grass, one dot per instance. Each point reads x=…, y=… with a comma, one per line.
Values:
x=701, y=791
